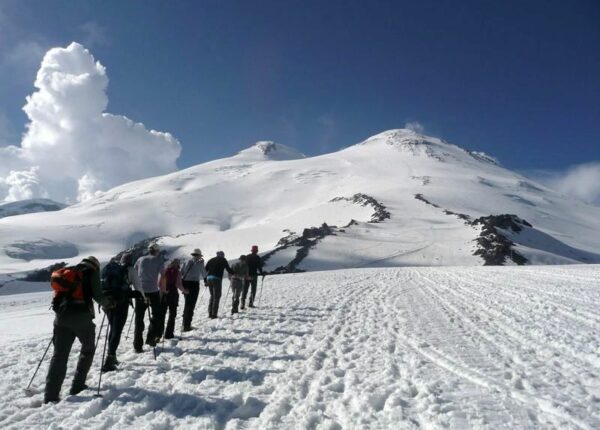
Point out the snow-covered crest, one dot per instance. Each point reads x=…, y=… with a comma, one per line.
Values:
x=269, y=192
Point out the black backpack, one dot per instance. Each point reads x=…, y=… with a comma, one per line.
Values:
x=114, y=280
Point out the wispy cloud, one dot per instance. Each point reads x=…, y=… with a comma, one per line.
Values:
x=415, y=126
x=581, y=181
x=25, y=56
x=93, y=34
x=328, y=131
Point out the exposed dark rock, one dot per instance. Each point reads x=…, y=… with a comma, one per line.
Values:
x=309, y=239
x=424, y=200
x=482, y=156
x=139, y=249
x=494, y=247
x=381, y=213
x=446, y=211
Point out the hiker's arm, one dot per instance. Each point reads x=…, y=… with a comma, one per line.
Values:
x=179, y=283
x=162, y=282
x=228, y=268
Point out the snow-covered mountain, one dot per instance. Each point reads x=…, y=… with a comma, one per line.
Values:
x=398, y=198
x=29, y=206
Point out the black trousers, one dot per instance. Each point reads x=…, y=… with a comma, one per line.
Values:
x=214, y=287
x=169, y=303
x=253, y=281
x=237, y=285
x=190, y=302
x=68, y=326
x=154, y=329
x=117, y=318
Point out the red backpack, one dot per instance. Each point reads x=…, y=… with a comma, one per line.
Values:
x=67, y=283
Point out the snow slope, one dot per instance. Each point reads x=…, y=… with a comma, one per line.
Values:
x=401, y=348
x=269, y=192
x=29, y=206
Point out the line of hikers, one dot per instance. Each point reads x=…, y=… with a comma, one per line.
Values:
x=154, y=286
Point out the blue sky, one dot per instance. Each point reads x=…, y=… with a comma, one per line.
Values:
x=519, y=80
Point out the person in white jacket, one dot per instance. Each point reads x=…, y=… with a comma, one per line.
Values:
x=150, y=273
x=192, y=273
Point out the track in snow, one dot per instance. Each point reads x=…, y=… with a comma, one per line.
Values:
x=370, y=348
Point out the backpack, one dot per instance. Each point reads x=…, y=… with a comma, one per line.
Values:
x=171, y=280
x=67, y=284
x=114, y=280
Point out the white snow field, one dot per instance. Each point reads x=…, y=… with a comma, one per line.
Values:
x=267, y=191
x=387, y=348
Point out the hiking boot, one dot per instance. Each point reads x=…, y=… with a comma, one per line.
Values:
x=77, y=389
x=151, y=342
x=51, y=400
x=251, y=305
x=139, y=350
x=110, y=364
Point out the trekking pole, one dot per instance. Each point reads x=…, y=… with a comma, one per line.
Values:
x=39, y=364
x=226, y=295
x=99, y=332
x=262, y=282
x=130, y=324
x=102, y=363
x=202, y=295
x=154, y=328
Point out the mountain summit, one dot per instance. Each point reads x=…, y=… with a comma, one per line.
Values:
x=268, y=150
x=398, y=198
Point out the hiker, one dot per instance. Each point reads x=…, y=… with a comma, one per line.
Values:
x=214, y=280
x=116, y=285
x=193, y=272
x=75, y=288
x=170, y=297
x=150, y=272
x=254, y=265
x=240, y=274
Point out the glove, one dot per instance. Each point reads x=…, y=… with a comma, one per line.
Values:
x=135, y=294
x=147, y=300
x=110, y=304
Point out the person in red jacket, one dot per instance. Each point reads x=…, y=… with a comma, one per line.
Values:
x=170, y=296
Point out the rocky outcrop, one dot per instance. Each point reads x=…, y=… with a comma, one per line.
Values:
x=380, y=212
x=493, y=246
x=309, y=239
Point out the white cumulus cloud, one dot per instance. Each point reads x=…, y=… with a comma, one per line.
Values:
x=72, y=146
